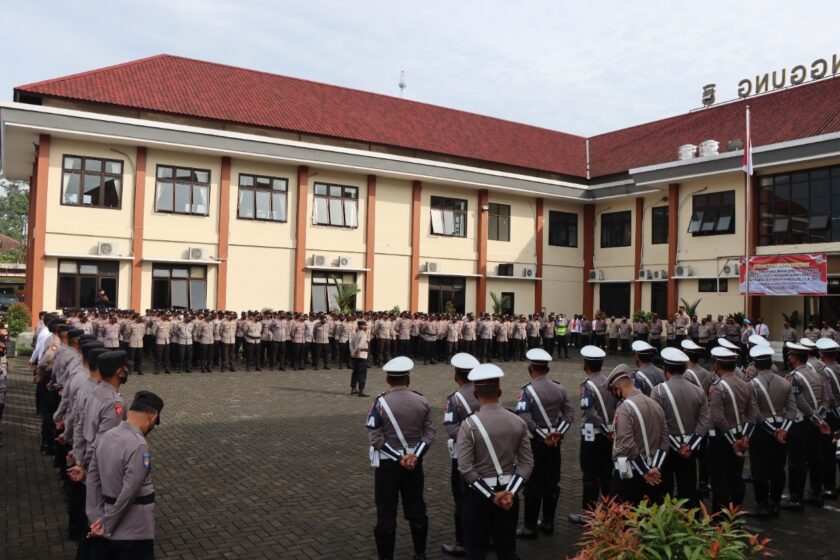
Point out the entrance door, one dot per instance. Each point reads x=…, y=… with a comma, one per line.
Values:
x=446, y=289
x=659, y=298
x=615, y=299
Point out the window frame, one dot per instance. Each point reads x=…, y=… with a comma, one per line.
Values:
x=447, y=204
x=345, y=189
x=82, y=172
x=610, y=224
x=78, y=275
x=656, y=217
x=173, y=181
x=190, y=278
x=254, y=188
x=713, y=285
x=561, y=219
x=712, y=208
x=324, y=279
x=493, y=213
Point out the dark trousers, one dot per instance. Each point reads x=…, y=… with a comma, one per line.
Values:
x=343, y=354
x=468, y=346
x=726, y=473
x=298, y=358
x=185, y=356
x=451, y=348
x=596, y=465
x=533, y=342
x=550, y=342
x=206, y=357
x=383, y=350
x=575, y=340
x=136, y=356
x=767, y=467
x=682, y=473
x=634, y=490
x=217, y=352
x=601, y=340
x=266, y=355
x=829, y=455
x=278, y=353
x=320, y=351
x=238, y=344
x=613, y=345
x=103, y=549
x=252, y=350
x=484, y=346
x=359, y=376
x=483, y=521
x=459, y=490
x=625, y=346
x=428, y=351
x=562, y=346
x=392, y=482
x=227, y=356
x=543, y=488
x=518, y=350
x=161, y=357
x=503, y=350
x=804, y=459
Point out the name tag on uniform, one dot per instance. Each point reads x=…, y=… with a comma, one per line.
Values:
x=374, y=457
x=588, y=432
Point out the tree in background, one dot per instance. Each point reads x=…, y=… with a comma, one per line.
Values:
x=14, y=213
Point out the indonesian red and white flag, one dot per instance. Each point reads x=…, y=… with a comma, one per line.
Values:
x=747, y=164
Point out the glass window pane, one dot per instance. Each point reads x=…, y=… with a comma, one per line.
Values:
x=198, y=272
x=108, y=267
x=319, y=299
x=246, y=180
x=504, y=228
x=200, y=205
x=73, y=163
x=335, y=191
x=724, y=219
x=332, y=297
x=67, y=267
x=113, y=167
x=781, y=225
x=350, y=217
x=449, y=222
x=278, y=206
x=164, y=172
x=320, y=189
x=109, y=285
x=88, y=268
x=322, y=214
x=71, y=189
x=202, y=176
x=160, y=272
x=493, y=227
x=87, y=291
x=818, y=222
x=182, y=197
x=709, y=219
x=94, y=165
x=184, y=173
x=263, y=205
x=179, y=295
x=111, y=192
x=198, y=294
x=67, y=291
x=278, y=184
x=90, y=197
x=696, y=221
x=246, y=203
x=351, y=192
x=336, y=212
x=164, y=197
x=263, y=182
x=437, y=222
x=160, y=294
x=180, y=272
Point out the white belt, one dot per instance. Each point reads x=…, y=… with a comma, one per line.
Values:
x=494, y=481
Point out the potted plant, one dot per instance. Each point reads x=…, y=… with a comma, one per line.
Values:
x=18, y=320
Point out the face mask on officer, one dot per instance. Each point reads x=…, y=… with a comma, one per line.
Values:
x=123, y=374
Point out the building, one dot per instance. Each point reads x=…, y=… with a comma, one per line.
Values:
x=174, y=182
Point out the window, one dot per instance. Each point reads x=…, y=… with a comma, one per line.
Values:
x=615, y=229
x=499, y=225
x=562, y=229
x=262, y=198
x=711, y=285
x=182, y=190
x=179, y=287
x=659, y=225
x=94, y=182
x=449, y=216
x=713, y=214
x=800, y=207
x=336, y=205
x=80, y=281
x=446, y=289
x=325, y=292
x=615, y=299
x=508, y=303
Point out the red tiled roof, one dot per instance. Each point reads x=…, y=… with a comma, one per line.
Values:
x=187, y=87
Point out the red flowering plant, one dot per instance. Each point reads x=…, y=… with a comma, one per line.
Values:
x=619, y=531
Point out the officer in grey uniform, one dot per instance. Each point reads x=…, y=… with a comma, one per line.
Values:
x=686, y=410
x=597, y=404
x=544, y=405
x=641, y=442
x=647, y=375
x=495, y=460
x=400, y=432
x=359, y=347
x=733, y=411
x=121, y=497
x=694, y=372
x=828, y=355
x=768, y=444
x=459, y=405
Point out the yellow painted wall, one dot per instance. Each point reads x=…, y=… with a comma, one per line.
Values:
x=523, y=290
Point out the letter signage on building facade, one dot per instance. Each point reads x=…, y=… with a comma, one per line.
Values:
x=786, y=275
x=779, y=79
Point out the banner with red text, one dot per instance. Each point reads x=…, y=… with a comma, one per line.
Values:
x=786, y=275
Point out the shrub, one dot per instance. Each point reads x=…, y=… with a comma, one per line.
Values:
x=18, y=319
x=23, y=351
x=618, y=531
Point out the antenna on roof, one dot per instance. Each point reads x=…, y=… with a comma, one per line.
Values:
x=402, y=82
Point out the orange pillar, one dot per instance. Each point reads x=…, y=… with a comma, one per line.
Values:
x=538, y=285
x=370, y=240
x=224, y=235
x=588, y=259
x=673, y=234
x=300, y=234
x=137, y=234
x=416, y=190
x=637, y=263
x=481, y=249
x=37, y=228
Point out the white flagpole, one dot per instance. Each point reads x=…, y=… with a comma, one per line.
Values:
x=748, y=230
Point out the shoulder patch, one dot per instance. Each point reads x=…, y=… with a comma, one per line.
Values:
x=119, y=409
x=147, y=460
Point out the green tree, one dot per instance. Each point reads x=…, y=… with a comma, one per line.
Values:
x=14, y=208
x=18, y=319
x=11, y=256
x=499, y=302
x=345, y=296
x=691, y=308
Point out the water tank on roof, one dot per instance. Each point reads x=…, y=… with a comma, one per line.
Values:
x=687, y=151
x=709, y=148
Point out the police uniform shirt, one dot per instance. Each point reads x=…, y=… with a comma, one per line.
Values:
x=227, y=332
x=105, y=410
x=555, y=404
x=692, y=406
x=321, y=333
x=297, y=332
x=403, y=326
x=486, y=330
x=205, y=334
x=700, y=376
x=429, y=331
x=265, y=332
x=456, y=411
x=624, y=330
x=162, y=332
x=468, y=330
x=359, y=344
x=811, y=391
x=789, y=335
x=533, y=328
x=308, y=327
x=136, y=331
x=775, y=400
x=453, y=332
x=726, y=419
x=502, y=332
x=832, y=372
x=77, y=419
x=591, y=405
x=613, y=329
x=656, y=328
x=345, y=332
x=119, y=485
x=647, y=377
x=413, y=415
x=253, y=331
x=629, y=441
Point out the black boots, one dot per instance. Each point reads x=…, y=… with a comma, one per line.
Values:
x=385, y=544
x=532, y=513
x=456, y=549
x=549, y=509
x=418, y=537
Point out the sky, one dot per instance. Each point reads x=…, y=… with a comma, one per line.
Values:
x=583, y=67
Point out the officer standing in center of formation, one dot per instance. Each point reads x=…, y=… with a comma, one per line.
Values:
x=400, y=432
x=459, y=405
x=359, y=346
x=647, y=375
x=544, y=405
x=768, y=444
x=597, y=404
x=828, y=355
x=494, y=458
x=641, y=442
x=687, y=414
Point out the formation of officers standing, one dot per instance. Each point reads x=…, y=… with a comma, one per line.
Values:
x=646, y=432
x=98, y=442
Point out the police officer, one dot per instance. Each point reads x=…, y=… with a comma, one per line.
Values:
x=162, y=331
x=733, y=411
x=687, y=414
x=459, y=405
x=321, y=341
x=641, y=442
x=400, y=432
x=768, y=444
x=694, y=372
x=121, y=497
x=495, y=460
x=227, y=340
x=253, y=338
x=136, y=330
x=544, y=405
x=359, y=345
x=828, y=355
x=647, y=375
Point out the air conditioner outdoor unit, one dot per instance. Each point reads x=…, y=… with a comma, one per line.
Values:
x=595, y=275
x=682, y=271
x=198, y=254
x=506, y=269
x=431, y=267
x=663, y=274
x=733, y=269
x=345, y=262
x=106, y=249
x=529, y=272
x=658, y=274
x=319, y=260
x=645, y=274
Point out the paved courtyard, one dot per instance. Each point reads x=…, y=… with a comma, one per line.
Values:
x=274, y=465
